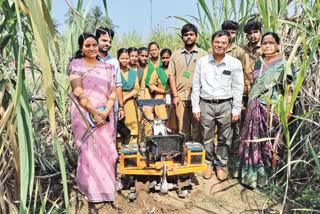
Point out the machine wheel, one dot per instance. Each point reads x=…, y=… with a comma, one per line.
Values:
x=183, y=193
x=133, y=194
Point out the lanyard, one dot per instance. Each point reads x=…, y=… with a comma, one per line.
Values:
x=188, y=62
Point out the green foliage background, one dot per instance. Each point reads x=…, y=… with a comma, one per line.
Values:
x=36, y=150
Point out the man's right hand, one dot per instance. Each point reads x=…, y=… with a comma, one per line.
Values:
x=196, y=115
x=121, y=113
x=176, y=100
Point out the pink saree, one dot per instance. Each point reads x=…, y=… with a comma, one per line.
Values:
x=96, y=146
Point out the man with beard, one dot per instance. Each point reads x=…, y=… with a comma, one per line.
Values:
x=105, y=36
x=233, y=49
x=217, y=89
x=180, y=70
x=252, y=49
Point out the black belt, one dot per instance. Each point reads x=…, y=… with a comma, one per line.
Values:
x=216, y=101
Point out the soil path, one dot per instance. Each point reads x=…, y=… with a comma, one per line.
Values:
x=209, y=196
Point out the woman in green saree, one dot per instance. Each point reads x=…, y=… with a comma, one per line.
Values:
x=256, y=149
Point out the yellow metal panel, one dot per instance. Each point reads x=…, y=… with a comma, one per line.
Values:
x=173, y=168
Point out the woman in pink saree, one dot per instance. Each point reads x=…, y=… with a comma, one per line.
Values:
x=93, y=93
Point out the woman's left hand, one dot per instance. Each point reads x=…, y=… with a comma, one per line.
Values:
x=100, y=118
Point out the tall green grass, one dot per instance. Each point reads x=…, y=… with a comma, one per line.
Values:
x=211, y=14
x=30, y=47
x=34, y=95
x=134, y=39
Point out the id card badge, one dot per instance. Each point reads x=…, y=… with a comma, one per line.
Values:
x=186, y=74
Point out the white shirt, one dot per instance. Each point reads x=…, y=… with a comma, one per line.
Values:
x=216, y=81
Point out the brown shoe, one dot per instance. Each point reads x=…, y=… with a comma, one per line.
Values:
x=222, y=173
x=207, y=174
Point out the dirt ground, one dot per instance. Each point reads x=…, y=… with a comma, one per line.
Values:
x=208, y=196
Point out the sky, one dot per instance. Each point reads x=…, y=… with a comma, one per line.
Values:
x=135, y=15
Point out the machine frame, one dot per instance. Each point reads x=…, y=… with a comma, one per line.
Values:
x=163, y=155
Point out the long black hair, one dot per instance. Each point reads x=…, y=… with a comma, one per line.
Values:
x=81, y=39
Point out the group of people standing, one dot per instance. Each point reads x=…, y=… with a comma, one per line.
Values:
x=213, y=94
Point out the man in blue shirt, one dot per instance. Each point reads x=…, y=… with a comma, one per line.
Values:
x=105, y=36
x=217, y=89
